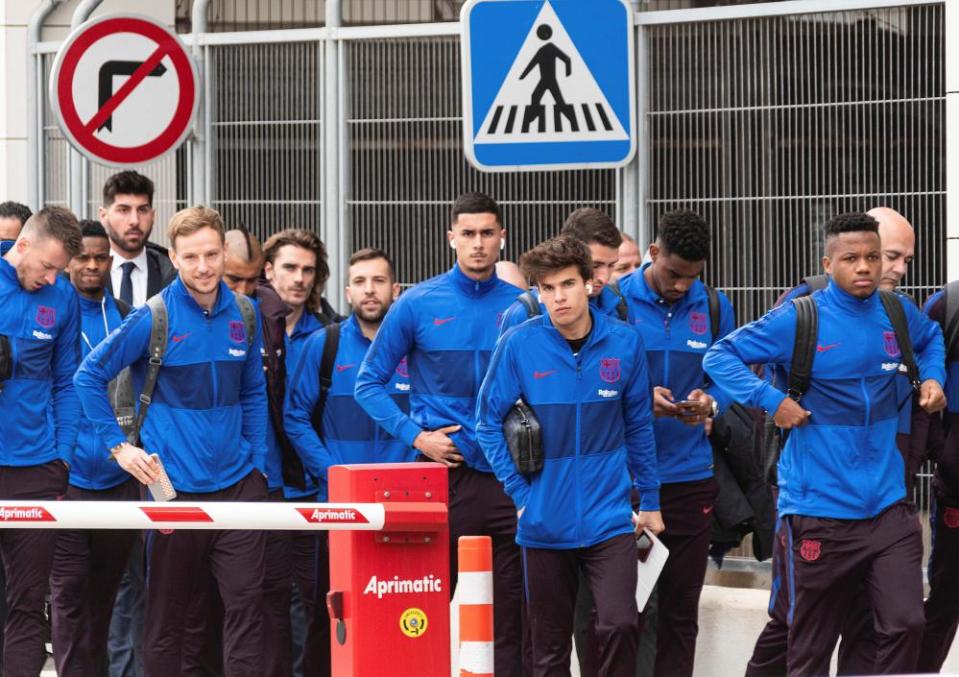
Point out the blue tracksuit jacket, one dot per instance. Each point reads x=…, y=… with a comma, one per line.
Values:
x=39, y=405
x=676, y=337
x=446, y=327
x=294, y=343
x=349, y=434
x=207, y=421
x=92, y=466
x=843, y=464
x=595, y=409
x=952, y=368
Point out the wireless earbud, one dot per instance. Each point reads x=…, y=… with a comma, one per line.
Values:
x=589, y=288
x=502, y=244
x=452, y=245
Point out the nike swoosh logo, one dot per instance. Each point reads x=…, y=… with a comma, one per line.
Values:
x=344, y=367
x=823, y=349
x=707, y=509
x=181, y=337
x=543, y=374
x=442, y=320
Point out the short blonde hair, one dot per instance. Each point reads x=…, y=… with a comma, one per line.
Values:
x=190, y=220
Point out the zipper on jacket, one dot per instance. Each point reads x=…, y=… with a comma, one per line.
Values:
x=208, y=316
x=865, y=429
x=666, y=349
x=579, y=408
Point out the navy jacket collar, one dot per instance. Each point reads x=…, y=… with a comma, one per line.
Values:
x=847, y=301
x=468, y=285
x=224, y=297
x=598, y=332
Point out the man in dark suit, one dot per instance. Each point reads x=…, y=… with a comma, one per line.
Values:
x=139, y=270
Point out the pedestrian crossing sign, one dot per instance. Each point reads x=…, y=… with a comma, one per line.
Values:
x=548, y=84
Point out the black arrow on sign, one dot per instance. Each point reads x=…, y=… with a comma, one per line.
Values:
x=111, y=69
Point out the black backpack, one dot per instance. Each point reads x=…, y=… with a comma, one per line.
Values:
x=330, y=346
x=531, y=303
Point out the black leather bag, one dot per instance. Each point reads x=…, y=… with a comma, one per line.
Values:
x=524, y=437
x=6, y=359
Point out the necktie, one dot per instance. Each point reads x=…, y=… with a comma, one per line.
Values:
x=126, y=282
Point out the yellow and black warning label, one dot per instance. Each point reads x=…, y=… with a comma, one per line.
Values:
x=413, y=622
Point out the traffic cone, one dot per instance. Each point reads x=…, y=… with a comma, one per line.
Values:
x=475, y=592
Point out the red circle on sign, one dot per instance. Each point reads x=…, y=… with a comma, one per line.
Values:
x=82, y=135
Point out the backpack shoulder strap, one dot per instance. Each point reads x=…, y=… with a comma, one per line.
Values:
x=900, y=325
x=330, y=347
x=622, y=307
x=529, y=302
x=714, y=311
x=816, y=282
x=158, y=338
x=249, y=317
x=804, y=346
x=950, y=320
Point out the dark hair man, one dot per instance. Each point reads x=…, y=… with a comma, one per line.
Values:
x=595, y=229
x=670, y=307
x=127, y=214
x=88, y=564
x=842, y=495
x=942, y=605
x=857, y=648
x=447, y=327
x=40, y=318
x=629, y=258
x=13, y=216
x=584, y=375
x=244, y=261
x=209, y=433
x=329, y=428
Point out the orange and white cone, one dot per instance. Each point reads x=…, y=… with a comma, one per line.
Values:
x=475, y=592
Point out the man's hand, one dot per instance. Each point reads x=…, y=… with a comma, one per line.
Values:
x=699, y=414
x=138, y=463
x=663, y=402
x=931, y=397
x=790, y=415
x=652, y=520
x=436, y=445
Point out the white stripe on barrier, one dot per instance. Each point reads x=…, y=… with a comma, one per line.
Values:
x=191, y=515
x=476, y=657
x=475, y=587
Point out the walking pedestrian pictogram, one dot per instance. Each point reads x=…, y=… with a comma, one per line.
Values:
x=562, y=97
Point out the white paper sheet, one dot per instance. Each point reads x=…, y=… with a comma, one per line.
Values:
x=648, y=571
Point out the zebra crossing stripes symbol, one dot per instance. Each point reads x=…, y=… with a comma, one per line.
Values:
x=587, y=116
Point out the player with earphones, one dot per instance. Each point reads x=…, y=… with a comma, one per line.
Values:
x=594, y=228
x=447, y=327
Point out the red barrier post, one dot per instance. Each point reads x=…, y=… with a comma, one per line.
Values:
x=389, y=590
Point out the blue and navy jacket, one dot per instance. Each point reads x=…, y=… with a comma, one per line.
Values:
x=446, y=327
x=349, y=434
x=39, y=404
x=780, y=375
x=677, y=336
x=294, y=343
x=595, y=409
x=935, y=310
x=92, y=466
x=207, y=421
x=605, y=302
x=843, y=464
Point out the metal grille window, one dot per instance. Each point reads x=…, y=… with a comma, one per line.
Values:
x=770, y=126
x=405, y=139
x=267, y=138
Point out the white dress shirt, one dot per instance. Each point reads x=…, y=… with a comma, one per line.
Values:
x=138, y=276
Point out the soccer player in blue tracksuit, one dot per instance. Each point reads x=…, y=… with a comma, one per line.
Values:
x=669, y=306
x=88, y=564
x=40, y=317
x=584, y=375
x=207, y=423
x=295, y=265
x=842, y=496
x=446, y=327
x=857, y=648
x=595, y=229
x=347, y=434
x=942, y=605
